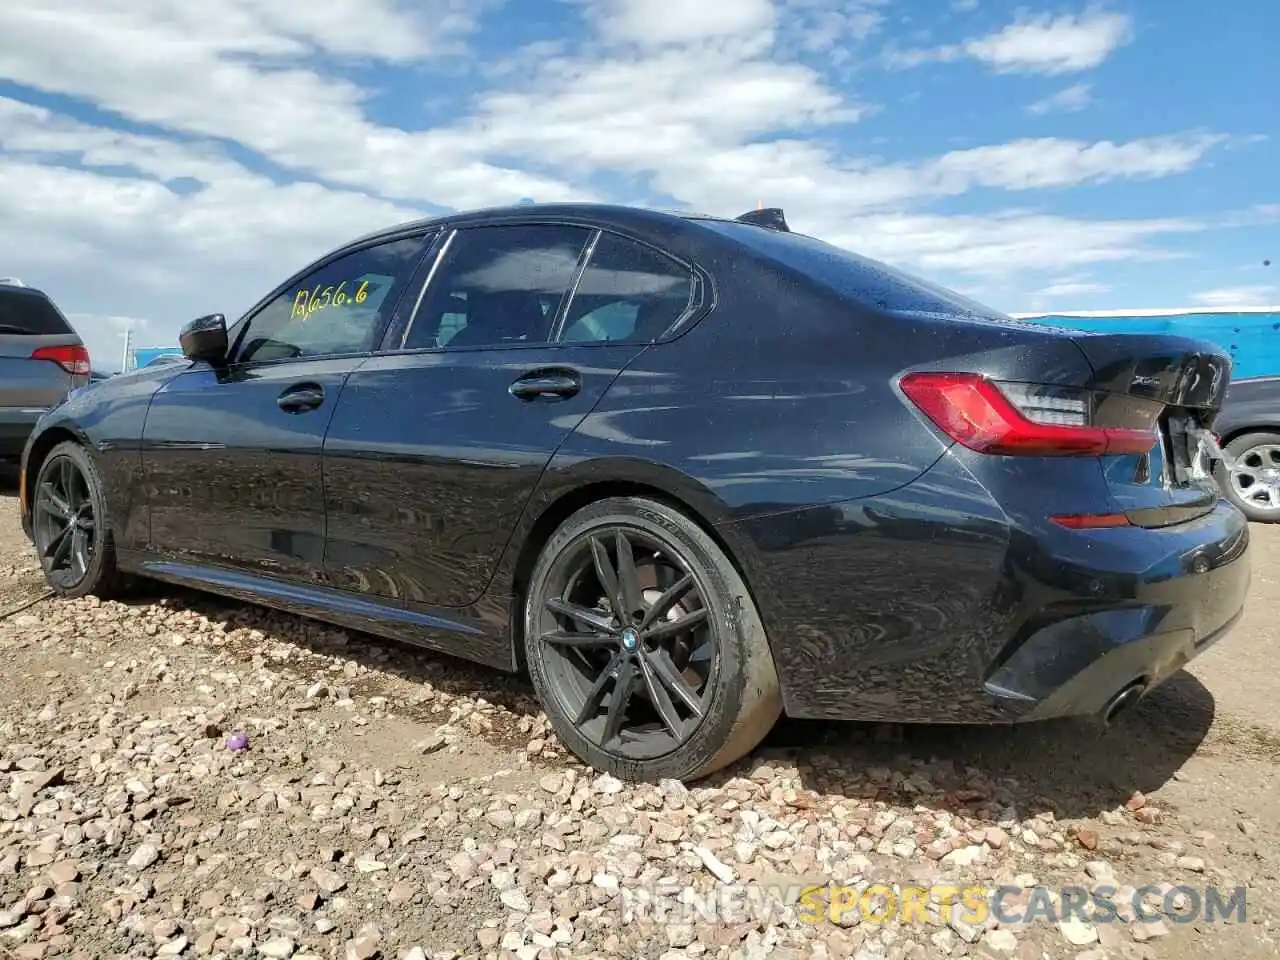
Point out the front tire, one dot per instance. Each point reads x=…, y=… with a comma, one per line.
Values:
x=70, y=525
x=1253, y=482
x=644, y=644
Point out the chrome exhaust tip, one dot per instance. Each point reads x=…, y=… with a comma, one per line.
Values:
x=1123, y=701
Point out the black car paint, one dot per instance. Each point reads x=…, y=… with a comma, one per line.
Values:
x=896, y=574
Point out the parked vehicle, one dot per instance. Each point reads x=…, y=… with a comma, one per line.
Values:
x=41, y=360
x=688, y=472
x=1249, y=430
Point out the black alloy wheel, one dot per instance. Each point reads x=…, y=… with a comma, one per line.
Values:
x=633, y=650
x=69, y=524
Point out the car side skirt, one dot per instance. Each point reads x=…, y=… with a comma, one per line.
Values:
x=478, y=633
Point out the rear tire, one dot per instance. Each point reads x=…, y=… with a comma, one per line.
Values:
x=71, y=527
x=1253, y=484
x=677, y=634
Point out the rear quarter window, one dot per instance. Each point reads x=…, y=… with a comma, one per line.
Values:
x=27, y=314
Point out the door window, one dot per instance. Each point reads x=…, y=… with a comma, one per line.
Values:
x=341, y=308
x=498, y=286
x=628, y=292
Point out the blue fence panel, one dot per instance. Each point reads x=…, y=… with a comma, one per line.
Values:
x=1252, y=339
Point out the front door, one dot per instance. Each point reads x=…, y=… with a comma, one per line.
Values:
x=232, y=456
x=436, y=446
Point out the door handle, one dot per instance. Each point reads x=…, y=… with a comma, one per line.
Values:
x=301, y=398
x=552, y=384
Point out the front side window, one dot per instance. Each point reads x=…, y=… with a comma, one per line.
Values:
x=628, y=291
x=341, y=308
x=498, y=286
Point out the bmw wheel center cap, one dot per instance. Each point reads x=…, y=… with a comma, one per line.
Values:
x=630, y=639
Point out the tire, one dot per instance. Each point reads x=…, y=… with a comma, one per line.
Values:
x=1261, y=451
x=723, y=659
x=93, y=570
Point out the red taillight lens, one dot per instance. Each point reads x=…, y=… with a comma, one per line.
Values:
x=1016, y=419
x=1090, y=521
x=74, y=360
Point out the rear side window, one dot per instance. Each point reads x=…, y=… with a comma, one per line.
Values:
x=498, y=286
x=628, y=292
x=30, y=315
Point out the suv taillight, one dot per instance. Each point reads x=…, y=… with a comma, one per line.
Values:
x=74, y=360
x=1036, y=420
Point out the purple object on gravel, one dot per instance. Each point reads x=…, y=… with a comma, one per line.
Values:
x=238, y=741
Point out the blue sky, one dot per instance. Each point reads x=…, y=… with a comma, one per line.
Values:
x=166, y=159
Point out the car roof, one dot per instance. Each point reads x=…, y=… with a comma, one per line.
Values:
x=602, y=214
x=12, y=285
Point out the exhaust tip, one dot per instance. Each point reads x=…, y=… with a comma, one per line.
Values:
x=1123, y=701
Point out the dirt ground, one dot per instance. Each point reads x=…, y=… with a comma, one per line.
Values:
x=1182, y=791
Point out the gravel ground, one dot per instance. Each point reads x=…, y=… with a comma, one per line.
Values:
x=391, y=803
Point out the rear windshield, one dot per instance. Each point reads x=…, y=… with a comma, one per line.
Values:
x=859, y=278
x=30, y=314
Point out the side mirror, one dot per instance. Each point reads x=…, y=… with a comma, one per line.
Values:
x=205, y=339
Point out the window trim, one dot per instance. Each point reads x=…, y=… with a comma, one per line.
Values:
x=427, y=237
x=702, y=295
x=443, y=249
x=697, y=307
x=441, y=252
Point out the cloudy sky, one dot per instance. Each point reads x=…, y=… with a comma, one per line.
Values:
x=161, y=159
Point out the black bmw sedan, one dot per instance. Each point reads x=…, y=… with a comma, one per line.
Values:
x=687, y=472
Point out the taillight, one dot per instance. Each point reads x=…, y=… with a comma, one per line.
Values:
x=74, y=360
x=1090, y=521
x=1021, y=419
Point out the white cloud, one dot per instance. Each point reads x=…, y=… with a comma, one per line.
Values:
x=1068, y=100
x=650, y=24
x=1066, y=44
x=1253, y=295
x=1041, y=44
x=1005, y=244
x=1071, y=288
x=831, y=26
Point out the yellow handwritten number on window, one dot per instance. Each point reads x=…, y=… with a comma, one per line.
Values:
x=306, y=303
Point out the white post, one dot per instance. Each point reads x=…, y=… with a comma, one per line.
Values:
x=128, y=342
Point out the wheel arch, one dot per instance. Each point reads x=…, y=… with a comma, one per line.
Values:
x=554, y=507
x=1240, y=430
x=37, y=454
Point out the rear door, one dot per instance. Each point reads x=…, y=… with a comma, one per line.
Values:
x=41, y=360
x=437, y=444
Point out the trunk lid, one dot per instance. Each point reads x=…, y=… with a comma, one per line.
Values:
x=1188, y=380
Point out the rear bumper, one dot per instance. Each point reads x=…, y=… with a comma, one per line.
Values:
x=1178, y=607
x=932, y=605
